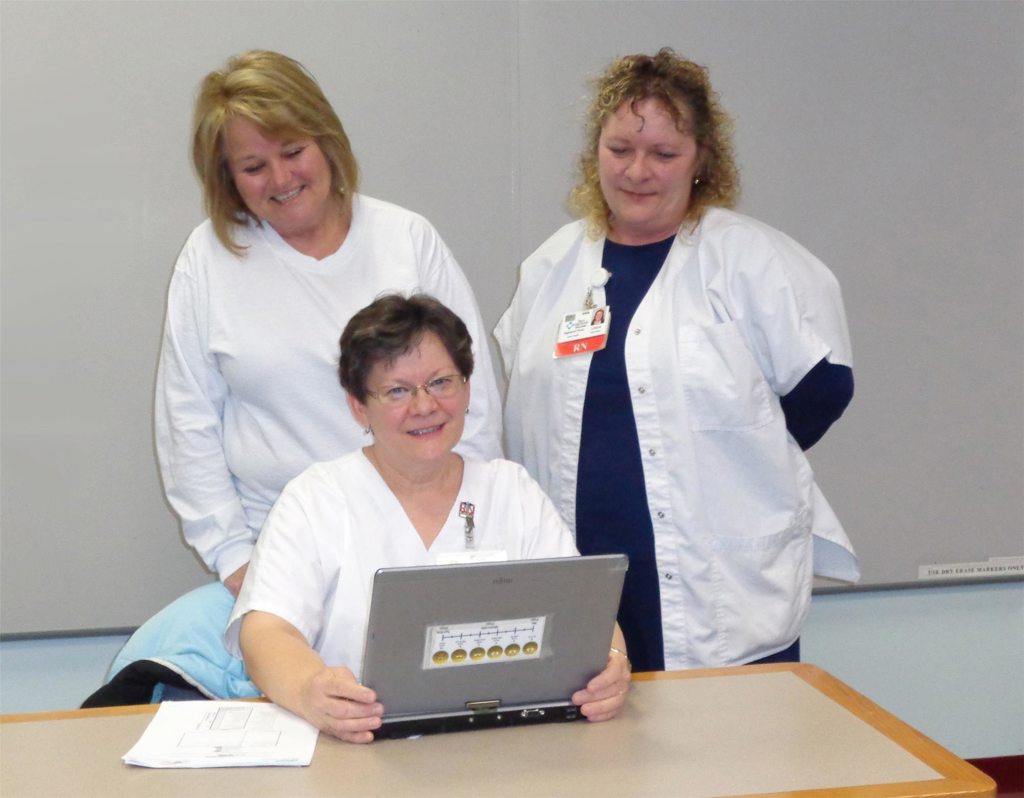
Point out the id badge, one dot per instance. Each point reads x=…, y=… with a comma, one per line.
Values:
x=583, y=331
x=476, y=555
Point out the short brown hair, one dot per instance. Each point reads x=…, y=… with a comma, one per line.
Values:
x=278, y=95
x=684, y=89
x=393, y=325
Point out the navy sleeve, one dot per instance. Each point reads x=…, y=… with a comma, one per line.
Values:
x=817, y=401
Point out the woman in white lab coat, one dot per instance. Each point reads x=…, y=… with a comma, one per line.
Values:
x=675, y=430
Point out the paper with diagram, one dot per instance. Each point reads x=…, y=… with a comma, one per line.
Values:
x=217, y=734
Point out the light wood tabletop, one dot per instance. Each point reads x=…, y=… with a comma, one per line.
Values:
x=789, y=729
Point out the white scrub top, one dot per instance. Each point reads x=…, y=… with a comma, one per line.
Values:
x=338, y=522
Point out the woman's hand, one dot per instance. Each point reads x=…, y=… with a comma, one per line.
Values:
x=605, y=694
x=292, y=675
x=337, y=704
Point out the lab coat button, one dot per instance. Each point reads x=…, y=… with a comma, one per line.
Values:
x=652, y=452
x=642, y=389
x=661, y=514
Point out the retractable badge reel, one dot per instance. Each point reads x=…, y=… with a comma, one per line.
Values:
x=470, y=553
x=586, y=330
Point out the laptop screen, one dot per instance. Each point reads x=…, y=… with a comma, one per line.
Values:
x=458, y=638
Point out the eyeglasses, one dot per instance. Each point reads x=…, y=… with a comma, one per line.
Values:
x=400, y=395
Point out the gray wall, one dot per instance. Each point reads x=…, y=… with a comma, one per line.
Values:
x=886, y=137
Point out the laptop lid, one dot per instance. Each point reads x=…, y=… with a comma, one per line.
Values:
x=450, y=647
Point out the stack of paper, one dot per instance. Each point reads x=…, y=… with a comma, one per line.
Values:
x=220, y=734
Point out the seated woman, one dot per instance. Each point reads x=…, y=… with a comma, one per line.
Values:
x=300, y=619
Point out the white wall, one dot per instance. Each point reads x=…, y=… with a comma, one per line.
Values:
x=948, y=661
x=885, y=137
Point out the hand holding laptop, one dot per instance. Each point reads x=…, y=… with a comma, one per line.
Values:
x=329, y=698
x=606, y=693
x=346, y=709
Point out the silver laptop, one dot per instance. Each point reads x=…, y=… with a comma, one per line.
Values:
x=470, y=646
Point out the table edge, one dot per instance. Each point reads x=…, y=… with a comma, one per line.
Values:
x=959, y=778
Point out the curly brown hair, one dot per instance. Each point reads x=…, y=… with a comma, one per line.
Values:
x=279, y=96
x=684, y=89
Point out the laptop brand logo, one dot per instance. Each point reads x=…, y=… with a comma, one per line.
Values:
x=502, y=580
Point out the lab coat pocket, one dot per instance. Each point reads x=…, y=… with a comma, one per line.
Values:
x=723, y=386
x=761, y=589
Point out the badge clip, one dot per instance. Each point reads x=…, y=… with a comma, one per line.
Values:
x=597, y=280
x=467, y=510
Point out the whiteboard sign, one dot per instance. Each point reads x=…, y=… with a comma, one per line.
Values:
x=995, y=566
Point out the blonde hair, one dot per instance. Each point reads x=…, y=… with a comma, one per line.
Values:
x=684, y=89
x=281, y=97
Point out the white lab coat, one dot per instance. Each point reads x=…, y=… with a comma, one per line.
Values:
x=738, y=314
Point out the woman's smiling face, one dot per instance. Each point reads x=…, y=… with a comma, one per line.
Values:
x=422, y=432
x=646, y=168
x=286, y=181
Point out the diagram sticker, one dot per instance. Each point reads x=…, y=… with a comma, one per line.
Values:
x=463, y=644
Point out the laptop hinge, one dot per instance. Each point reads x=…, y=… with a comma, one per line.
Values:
x=483, y=706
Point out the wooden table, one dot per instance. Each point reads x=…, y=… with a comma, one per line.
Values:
x=765, y=730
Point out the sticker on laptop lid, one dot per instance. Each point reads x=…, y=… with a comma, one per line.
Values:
x=463, y=644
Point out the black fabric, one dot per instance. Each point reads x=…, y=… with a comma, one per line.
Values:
x=135, y=683
x=817, y=402
x=612, y=515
